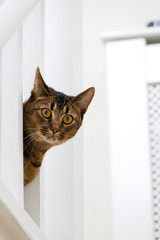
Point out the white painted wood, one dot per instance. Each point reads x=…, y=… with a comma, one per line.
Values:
x=11, y=16
x=32, y=57
x=20, y=113
x=0, y=108
x=150, y=34
x=11, y=119
x=31, y=49
x=77, y=87
x=32, y=200
x=59, y=160
x=152, y=63
x=128, y=135
x=42, y=48
x=15, y=223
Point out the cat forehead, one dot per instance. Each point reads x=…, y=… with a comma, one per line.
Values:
x=58, y=101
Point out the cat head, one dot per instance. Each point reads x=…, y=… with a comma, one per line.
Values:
x=54, y=116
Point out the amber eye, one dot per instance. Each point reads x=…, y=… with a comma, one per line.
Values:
x=46, y=113
x=67, y=119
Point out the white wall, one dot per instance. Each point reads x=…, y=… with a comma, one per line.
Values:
x=2, y=1
x=100, y=16
x=128, y=146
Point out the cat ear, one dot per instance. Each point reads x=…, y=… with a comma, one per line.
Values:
x=40, y=88
x=83, y=100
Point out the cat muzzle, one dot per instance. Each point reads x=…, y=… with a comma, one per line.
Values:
x=54, y=130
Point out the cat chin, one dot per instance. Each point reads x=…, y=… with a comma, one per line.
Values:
x=53, y=141
x=50, y=141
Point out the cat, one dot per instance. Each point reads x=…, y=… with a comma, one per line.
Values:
x=49, y=118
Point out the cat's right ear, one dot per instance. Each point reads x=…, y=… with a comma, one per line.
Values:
x=83, y=100
x=40, y=88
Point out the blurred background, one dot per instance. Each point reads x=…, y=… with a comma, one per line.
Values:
x=104, y=183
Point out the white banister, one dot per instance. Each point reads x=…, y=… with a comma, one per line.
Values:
x=42, y=63
x=0, y=106
x=11, y=119
x=33, y=56
x=11, y=16
x=20, y=112
x=19, y=57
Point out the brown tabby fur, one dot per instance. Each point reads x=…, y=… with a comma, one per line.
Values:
x=39, y=133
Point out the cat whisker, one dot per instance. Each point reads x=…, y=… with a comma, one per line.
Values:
x=62, y=136
x=38, y=137
x=25, y=129
x=28, y=136
x=30, y=140
x=28, y=145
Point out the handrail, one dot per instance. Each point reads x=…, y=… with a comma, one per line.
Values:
x=11, y=17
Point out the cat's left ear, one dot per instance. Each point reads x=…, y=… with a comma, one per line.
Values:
x=40, y=88
x=83, y=100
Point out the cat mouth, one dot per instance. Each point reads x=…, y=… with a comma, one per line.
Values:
x=51, y=137
x=54, y=138
x=57, y=136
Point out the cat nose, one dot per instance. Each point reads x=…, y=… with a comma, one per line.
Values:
x=54, y=130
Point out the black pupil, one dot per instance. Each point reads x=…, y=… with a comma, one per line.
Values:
x=68, y=118
x=46, y=112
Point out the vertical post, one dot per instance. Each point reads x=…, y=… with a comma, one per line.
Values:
x=0, y=106
x=42, y=33
x=77, y=87
x=11, y=131
x=59, y=160
x=20, y=112
x=33, y=54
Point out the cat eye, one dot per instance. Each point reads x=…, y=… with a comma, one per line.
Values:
x=67, y=119
x=46, y=113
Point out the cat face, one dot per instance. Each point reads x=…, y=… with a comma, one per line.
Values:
x=54, y=116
